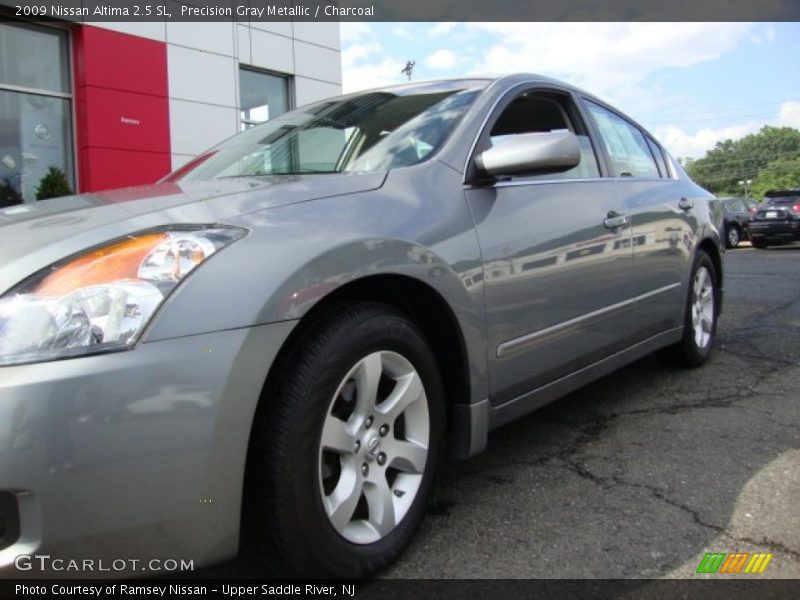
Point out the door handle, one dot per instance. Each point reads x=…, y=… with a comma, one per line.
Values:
x=615, y=220
x=685, y=204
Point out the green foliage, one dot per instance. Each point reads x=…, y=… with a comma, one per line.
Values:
x=780, y=174
x=751, y=157
x=53, y=185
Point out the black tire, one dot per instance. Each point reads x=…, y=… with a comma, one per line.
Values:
x=688, y=352
x=733, y=235
x=285, y=519
x=758, y=243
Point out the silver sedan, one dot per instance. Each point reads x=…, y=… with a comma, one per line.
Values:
x=278, y=343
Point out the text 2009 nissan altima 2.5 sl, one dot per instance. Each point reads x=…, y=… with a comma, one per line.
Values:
x=277, y=344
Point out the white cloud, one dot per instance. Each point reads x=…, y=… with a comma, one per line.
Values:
x=364, y=62
x=695, y=145
x=605, y=58
x=404, y=32
x=353, y=53
x=442, y=59
x=765, y=35
x=682, y=144
x=789, y=114
x=443, y=28
x=355, y=31
x=370, y=75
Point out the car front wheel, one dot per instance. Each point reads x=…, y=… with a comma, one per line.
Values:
x=344, y=455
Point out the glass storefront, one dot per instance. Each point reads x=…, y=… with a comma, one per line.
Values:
x=35, y=113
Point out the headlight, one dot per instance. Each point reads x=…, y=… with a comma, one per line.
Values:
x=101, y=300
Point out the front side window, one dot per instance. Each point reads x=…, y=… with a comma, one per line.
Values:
x=533, y=112
x=626, y=146
x=263, y=96
x=35, y=114
x=373, y=131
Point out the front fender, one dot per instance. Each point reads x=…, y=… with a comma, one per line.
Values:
x=296, y=255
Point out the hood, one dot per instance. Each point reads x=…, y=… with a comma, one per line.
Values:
x=33, y=236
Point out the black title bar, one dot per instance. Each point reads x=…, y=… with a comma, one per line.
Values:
x=400, y=10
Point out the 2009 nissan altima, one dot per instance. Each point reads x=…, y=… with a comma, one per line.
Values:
x=279, y=342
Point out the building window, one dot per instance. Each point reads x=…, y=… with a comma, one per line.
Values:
x=35, y=110
x=263, y=96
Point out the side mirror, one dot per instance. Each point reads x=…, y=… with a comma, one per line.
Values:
x=532, y=152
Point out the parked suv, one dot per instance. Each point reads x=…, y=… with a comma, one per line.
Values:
x=278, y=342
x=777, y=220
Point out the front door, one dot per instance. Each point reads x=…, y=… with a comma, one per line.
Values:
x=556, y=256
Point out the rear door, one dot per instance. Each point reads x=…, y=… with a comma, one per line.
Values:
x=556, y=254
x=662, y=218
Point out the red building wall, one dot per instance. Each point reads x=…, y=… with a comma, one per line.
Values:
x=122, y=109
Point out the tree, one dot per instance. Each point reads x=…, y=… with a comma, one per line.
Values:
x=780, y=174
x=53, y=185
x=729, y=162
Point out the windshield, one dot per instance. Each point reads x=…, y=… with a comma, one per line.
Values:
x=373, y=131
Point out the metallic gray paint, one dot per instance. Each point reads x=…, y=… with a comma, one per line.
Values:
x=542, y=336
x=130, y=445
x=115, y=455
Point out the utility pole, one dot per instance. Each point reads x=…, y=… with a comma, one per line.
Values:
x=746, y=183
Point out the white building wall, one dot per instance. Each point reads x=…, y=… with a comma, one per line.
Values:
x=203, y=61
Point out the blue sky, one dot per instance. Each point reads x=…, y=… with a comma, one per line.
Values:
x=691, y=84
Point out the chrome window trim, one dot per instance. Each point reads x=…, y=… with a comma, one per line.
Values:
x=516, y=183
x=528, y=339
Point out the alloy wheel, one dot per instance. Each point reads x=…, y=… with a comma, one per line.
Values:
x=702, y=307
x=733, y=237
x=374, y=447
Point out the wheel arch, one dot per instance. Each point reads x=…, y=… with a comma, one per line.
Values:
x=420, y=302
x=711, y=247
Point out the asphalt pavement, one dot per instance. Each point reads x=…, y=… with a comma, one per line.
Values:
x=641, y=473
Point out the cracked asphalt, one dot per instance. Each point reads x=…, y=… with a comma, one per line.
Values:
x=641, y=473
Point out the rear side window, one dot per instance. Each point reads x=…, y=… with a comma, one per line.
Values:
x=658, y=154
x=734, y=205
x=625, y=144
x=546, y=112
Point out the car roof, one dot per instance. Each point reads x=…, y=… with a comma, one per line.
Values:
x=781, y=193
x=478, y=81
